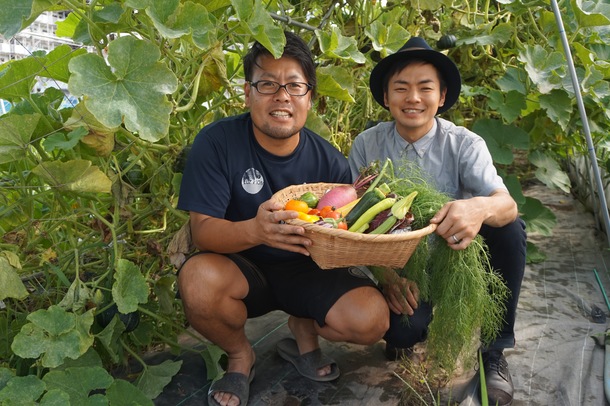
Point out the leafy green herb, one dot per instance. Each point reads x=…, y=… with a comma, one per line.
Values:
x=467, y=295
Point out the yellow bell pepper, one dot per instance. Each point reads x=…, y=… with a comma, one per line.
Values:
x=310, y=218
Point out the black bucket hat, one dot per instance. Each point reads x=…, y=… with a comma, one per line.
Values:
x=417, y=48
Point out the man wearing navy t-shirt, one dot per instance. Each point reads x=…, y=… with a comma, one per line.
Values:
x=250, y=261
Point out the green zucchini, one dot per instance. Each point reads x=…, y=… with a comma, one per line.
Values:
x=368, y=200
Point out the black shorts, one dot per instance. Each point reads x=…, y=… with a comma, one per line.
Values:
x=299, y=287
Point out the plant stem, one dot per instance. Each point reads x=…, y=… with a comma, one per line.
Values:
x=139, y=142
x=133, y=353
x=196, y=81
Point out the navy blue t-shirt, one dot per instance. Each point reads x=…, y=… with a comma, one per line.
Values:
x=228, y=174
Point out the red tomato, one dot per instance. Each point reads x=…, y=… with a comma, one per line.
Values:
x=342, y=225
x=325, y=210
x=314, y=212
x=333, y=215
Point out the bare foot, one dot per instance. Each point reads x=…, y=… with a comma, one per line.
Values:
x=306, y=335
x=241, y=362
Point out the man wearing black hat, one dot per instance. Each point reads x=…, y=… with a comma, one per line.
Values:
x=415, y=84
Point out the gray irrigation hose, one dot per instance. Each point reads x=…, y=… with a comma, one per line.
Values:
x=585, y=122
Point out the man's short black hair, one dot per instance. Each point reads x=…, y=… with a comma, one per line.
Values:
x=295, y=48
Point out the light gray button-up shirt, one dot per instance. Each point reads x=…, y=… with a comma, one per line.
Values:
x=456, y=160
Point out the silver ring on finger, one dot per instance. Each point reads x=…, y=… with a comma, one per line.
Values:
x=455, y=239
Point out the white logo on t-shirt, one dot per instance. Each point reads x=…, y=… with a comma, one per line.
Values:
x=252, y=181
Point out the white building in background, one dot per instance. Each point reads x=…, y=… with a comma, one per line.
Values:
x=39, y=36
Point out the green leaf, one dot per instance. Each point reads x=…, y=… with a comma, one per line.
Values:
x=56, y=64
x=174, y=19
x=386, y=39
x=12, y=258
x=243, y=8
x=12, y=287
x=318, y=125
x=558, y=105
x=508, y=104
x=22, y=390
x=201, y=25
x=78, y=382
x=154, y=378
x=12, y=15
x=541, y=67
x=132, y=89
x=99, y=137
x=89, y=359
x=77, y=175
x=335, y=45
x=122, y=392
x=98, y=400
x=67, y=28
x=162, y=10
x=591, y=14
x=16, y=135
x=549, y=171
x=212, y=354
x=213, y=5
x=166, y=294
x=17, y=77
x=45, y=103
x=500, y=34
x=163, y=15
x=501, y=139
x=30, y=342
x=595, y=83
x=109, y=337
x=130, y=287
x=265, y=31
x=55, y=397
x=214, y=74
x=534, y=255
x=138, y=4
x=539, y=219
x=111, y=13
x=5, y=376
x=64, y=142
x=54, y=321
x=144, y=334
x=335, y=82
x=514, y=187
x=513, y=79
x=77, y=296
x=54, y=333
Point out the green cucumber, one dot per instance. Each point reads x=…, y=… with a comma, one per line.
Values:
x=368, y=200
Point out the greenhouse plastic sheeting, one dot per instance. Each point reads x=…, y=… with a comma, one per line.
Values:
x=562, y=306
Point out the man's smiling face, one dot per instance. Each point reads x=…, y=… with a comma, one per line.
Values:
x=280, y=115
x=413, y=96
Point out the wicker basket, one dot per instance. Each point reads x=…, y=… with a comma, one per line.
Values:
x=334, y=248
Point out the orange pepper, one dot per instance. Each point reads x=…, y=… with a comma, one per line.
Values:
x=296, y=205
